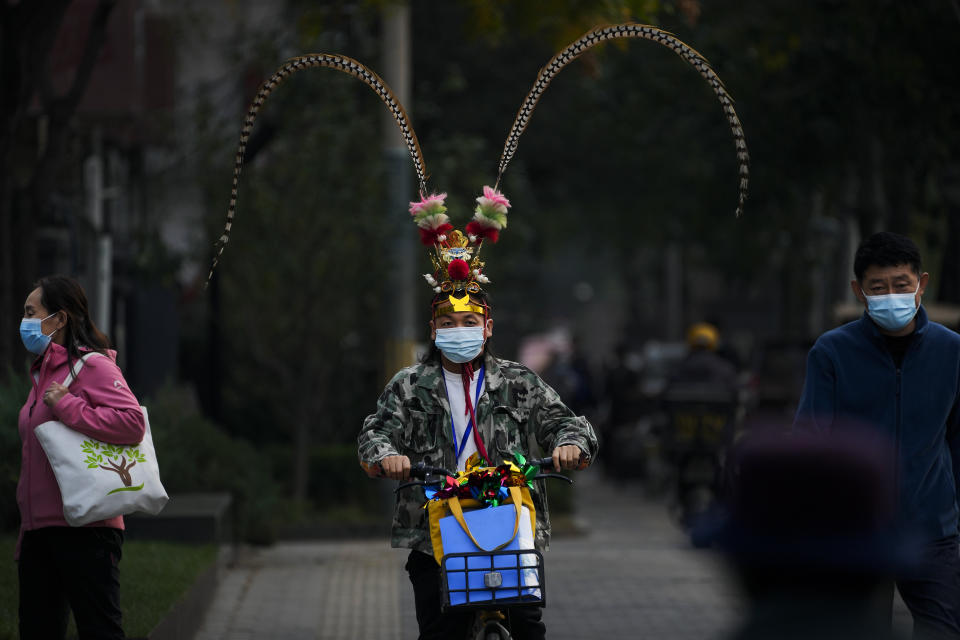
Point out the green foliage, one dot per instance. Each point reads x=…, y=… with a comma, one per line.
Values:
x=849, y=111
x=196, y=455
x=14, y=390
x=336, y=479
x=112, y=451
x=303, y=277
x=153, y=577
x=115, y=453
x=9, y=589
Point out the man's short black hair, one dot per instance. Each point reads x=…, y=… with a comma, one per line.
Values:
x=886, y=249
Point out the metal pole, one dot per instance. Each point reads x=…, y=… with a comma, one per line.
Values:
x=103, y=247
x=673, y=284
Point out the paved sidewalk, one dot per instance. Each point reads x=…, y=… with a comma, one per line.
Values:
x=301, y=591
x=633, y=574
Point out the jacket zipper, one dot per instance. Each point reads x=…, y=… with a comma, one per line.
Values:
x=36, y=379
x=36, y=375
x=898, y=418
x=896, y=469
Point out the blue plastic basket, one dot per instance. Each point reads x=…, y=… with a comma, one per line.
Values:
x=474, y=577
x=500, y=578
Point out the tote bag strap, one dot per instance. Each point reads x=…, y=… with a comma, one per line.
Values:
x=77, y=366
x=457, y=511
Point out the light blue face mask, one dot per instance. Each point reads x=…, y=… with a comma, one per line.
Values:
x=460, y=344
x=892, y=311
x=32, y=335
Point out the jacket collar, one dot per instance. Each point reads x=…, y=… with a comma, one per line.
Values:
x=53, y=356
x=871, y=328
x=432, y=369
x=57, y=355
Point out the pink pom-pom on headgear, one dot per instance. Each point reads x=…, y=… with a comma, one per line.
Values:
x=425, y=204
x=495, y=196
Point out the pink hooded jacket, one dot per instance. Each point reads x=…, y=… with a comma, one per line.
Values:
x=99, y=404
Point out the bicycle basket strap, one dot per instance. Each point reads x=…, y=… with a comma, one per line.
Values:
x=439, y=509
x=457, y=511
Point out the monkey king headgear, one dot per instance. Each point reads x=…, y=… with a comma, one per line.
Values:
x=455, y=255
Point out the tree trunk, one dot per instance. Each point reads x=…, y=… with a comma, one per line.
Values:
x=949, y=286
x=301, y=462
x=889, y=219
x=121, y=470
x=8, y=310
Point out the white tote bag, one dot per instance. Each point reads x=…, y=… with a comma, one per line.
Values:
x=100, y=480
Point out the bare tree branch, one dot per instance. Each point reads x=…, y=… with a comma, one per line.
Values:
x=61, y=109
x=96, y=36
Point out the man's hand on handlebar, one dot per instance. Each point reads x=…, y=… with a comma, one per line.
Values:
x=568, y=456
x=396, y=467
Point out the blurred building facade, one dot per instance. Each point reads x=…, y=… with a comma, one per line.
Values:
x=125, y=214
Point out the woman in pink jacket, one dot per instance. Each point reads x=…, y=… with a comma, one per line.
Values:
x=62, y=567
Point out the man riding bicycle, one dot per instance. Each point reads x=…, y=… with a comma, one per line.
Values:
x=428, y=413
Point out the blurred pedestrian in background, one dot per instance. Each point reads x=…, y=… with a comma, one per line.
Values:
x=63, y=568
x=899, y=373
x=703, y=365
x=623, y=406
x=569, y=374
x=700, y=401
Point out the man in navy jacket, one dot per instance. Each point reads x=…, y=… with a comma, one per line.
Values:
x=895, y=371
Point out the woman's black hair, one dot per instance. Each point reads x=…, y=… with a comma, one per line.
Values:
x=63, y=293
x=433, y=353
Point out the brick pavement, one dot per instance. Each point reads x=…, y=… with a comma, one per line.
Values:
x=632, y=575
x=330, y=590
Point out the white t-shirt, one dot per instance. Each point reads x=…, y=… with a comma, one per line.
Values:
x=458, y=408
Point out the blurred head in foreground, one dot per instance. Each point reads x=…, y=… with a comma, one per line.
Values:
x=811, y=533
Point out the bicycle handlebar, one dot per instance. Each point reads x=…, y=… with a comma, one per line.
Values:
x=421, y=472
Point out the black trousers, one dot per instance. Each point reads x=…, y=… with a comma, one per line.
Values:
x=933, y=592
x=523, y=622
x=64, y=568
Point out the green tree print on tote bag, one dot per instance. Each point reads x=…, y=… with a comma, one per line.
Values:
x=119, y=459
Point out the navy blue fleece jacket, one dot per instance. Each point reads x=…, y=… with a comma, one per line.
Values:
x=852, y=379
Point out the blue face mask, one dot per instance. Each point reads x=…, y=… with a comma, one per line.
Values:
x=892, y=311
x=460, y=344
x=34, y=339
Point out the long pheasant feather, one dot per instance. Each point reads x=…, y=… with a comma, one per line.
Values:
x=329, y=61
x=576, y=49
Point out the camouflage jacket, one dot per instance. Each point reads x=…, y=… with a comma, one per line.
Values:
x=516, y=412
